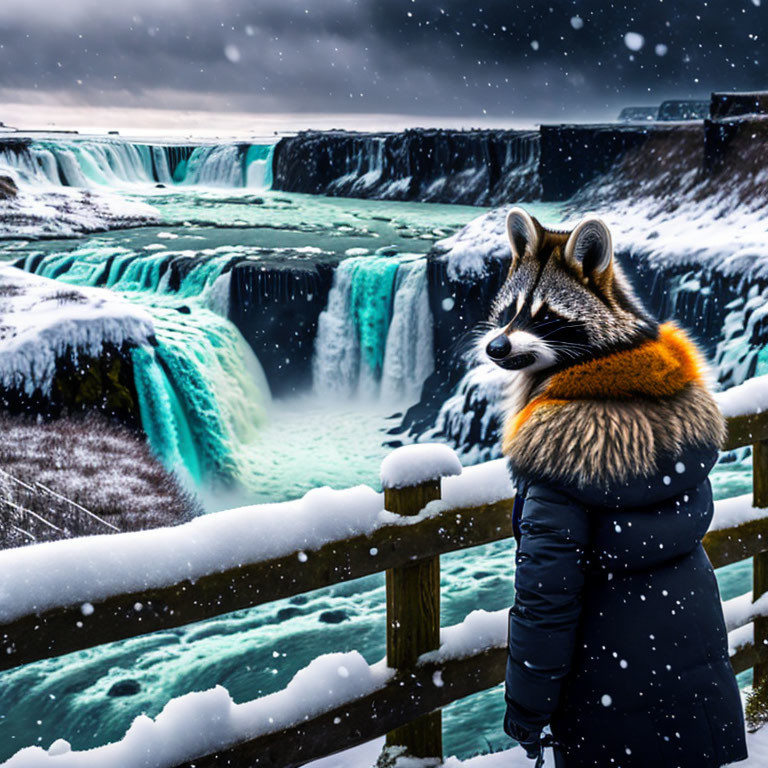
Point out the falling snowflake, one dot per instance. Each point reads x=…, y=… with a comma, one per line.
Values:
x=661, y=49
x=232, y=52
x=634, y=41
x=577, y=22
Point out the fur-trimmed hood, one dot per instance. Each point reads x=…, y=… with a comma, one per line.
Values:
x=610, y=419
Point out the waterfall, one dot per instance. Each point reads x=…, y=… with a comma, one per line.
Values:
x=375, y=336
x=163, y=418
x=336, y=361
x=220, y=384
x=202, y=394
x=409, y=355
x=97, y=163
x=258, y=166
x=216, y=166
x=741, y=352
x=352, y=332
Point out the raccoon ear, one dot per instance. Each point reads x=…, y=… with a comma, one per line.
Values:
x=590, y=247
x=522, y=232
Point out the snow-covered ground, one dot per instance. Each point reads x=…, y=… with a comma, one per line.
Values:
x=41, y=320
x=78, y=476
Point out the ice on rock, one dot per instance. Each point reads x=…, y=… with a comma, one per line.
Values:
x=418, y=463
x=56, y=211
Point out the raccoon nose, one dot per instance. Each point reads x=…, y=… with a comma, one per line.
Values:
x=499, y=347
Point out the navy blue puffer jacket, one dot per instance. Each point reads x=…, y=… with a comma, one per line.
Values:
x=616, y=636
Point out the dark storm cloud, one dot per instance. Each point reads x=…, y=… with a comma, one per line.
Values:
x=495, y=58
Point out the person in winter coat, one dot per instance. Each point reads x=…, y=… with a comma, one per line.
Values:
x=616, y=636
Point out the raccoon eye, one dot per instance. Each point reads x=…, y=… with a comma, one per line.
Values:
x=544, y=317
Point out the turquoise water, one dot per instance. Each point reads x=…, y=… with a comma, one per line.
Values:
x=373, y=281
x=217, y=421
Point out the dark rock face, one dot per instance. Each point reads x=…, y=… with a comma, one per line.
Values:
x=15, y=146
x=124, y=688
x=467, y=167
x=736, y=145
x=83, y=384
x=734, y=104
x=175, y=156
x=8, y=188
x=573, y=155
x=276, y=306
x=702, y=309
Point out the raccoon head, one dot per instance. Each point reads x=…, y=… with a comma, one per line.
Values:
x=565, y=299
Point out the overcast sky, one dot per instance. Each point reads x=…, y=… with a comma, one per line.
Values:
x=498, y=59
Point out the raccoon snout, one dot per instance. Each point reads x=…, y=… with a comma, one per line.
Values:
x=498, y=348
x=516, y=350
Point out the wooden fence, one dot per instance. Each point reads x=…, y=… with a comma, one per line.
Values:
x=407, y=708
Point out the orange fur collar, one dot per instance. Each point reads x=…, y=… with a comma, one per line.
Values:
x=658, y=368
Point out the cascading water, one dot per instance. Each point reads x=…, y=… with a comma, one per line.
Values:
x=258, y=166
x=375, y=337
x=96, y=163
x=741, y=353
x=409, y=354
x=202, y=393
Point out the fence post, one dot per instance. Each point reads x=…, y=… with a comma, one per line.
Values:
x=760, y=561
x=413, y=620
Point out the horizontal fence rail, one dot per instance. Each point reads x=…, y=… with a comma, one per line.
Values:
x=66, y=629
x=407, y=707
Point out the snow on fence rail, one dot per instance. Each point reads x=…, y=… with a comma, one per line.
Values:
x=68, y=595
